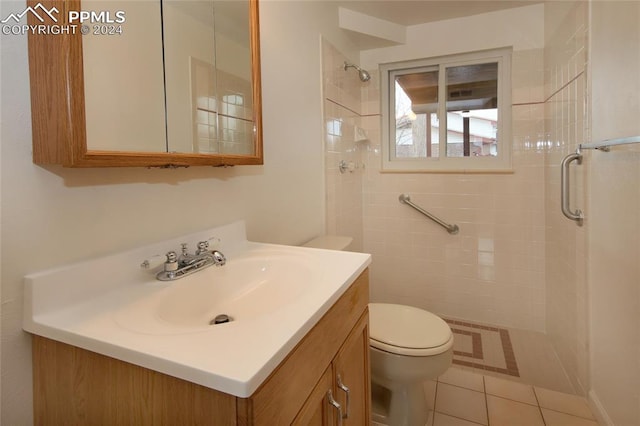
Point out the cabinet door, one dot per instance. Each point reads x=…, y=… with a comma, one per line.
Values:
x=351, y=371
x=68, y=104
x=317, y=411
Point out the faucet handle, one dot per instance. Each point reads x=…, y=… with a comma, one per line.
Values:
x=219, y=258
x=172, y=262
x=203, y=247
x=184, y=248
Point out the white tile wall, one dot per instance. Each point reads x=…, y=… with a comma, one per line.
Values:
x=341, y=115
x=493, y=270
x=566, y=124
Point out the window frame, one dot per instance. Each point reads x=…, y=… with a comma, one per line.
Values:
x=443, y=164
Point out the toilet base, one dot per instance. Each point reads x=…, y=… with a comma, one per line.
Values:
x=403, y=405
x=380, y=400
x=397, y=384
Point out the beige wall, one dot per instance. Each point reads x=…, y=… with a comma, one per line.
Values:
x=613, y=209
x=493, y=270
x=52, y=216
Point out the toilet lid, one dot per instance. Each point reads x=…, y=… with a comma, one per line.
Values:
x=407, y=330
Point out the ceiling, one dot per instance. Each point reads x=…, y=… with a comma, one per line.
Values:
x=406, y=13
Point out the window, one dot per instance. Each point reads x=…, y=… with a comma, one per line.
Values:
x=451, y=113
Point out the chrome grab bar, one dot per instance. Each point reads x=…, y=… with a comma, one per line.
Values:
x=452, y=229
x=576, y=215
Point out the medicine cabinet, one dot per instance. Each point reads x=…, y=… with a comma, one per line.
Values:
x=150, y=83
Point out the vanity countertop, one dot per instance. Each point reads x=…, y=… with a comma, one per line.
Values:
x=113, y=307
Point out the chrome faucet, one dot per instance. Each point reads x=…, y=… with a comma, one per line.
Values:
x=176, y=267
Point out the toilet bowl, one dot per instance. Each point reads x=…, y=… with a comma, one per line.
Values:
x=407, y=347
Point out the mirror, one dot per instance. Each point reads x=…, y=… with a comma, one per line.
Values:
x=218, y=113
x=176, y=84
x=124, y=93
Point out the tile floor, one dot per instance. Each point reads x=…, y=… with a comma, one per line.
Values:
x=535, y=360
x=465, y=398
x=540, y=394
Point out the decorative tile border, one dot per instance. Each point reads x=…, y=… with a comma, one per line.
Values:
x=476, y=344
x=477, y=353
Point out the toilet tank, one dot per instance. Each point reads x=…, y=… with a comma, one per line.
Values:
x=330, y=242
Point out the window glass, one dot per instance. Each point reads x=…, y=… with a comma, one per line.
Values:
x=447, y=114
x=416, y=102
x=472, y=110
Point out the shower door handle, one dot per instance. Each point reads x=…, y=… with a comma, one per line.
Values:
x=576, y=215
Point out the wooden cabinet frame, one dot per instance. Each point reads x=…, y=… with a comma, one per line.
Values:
x=76, y=386
x=58, y=107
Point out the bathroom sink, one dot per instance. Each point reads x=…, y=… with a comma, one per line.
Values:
x=274, y=295
x=248, y=287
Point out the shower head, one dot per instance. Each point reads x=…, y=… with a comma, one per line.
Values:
x=364, y=76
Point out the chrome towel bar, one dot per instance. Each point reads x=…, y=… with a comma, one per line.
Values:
x=604, y=145
x=452, y=229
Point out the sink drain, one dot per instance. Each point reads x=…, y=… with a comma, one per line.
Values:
x=220, y=319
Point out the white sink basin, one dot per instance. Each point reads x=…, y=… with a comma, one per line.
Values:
x=275, y=295
x=249, y=286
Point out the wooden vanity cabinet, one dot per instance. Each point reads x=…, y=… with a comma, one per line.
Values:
x=349, y=368
x=317, y=411
x=76, y=386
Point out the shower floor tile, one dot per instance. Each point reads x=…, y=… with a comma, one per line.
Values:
x=519, y=355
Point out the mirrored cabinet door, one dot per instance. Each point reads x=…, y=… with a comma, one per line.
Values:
x=209, y=90
x=176, y=83
x=124, y=83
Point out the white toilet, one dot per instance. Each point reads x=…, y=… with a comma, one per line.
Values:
x=330, y=242
x=407, y=347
